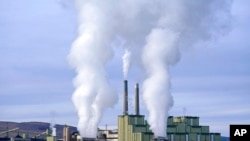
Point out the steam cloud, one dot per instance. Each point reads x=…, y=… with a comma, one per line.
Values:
x=52, y=124
x=155, y=32
x=126, y=62
x=89, y=54
x=182, y=24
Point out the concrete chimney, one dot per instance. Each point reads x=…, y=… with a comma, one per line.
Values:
x=137, y=107
x=66, y=133
x=125, y=98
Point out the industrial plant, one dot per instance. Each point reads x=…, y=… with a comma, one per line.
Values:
x=131, y=127
x=184, y=128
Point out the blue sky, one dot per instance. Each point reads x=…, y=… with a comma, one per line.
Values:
x=211, y=81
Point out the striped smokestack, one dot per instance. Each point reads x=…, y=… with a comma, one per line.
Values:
x=125, y=103
x=137, y=107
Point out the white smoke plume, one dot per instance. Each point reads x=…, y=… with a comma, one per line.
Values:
x=182, y=24
x=88, y=55
x=155, y=32
x=126, y=62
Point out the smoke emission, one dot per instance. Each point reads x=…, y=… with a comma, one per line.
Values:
x=89, y=55
x=126, y=62
x=52, y=123
x=155, y=32
x=181, y=24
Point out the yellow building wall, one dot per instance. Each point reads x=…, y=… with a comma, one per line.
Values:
x=132, y=128
x=51, y=138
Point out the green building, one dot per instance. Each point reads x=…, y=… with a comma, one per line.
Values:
x=133, y=128
x=186, y=128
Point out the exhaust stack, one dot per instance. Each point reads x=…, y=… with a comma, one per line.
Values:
x=137, y=107
x=125, y=98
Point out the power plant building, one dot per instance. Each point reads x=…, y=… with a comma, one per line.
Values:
x=187, y=128
x=183, y=128
x=133, y=128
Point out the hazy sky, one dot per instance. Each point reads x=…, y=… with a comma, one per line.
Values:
x=211, y=81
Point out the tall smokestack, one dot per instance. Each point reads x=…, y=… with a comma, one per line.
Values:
x=137, y=107
x=125, y=103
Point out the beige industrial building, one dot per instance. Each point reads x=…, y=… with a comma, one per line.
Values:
x=133, y=128
x=184, y=128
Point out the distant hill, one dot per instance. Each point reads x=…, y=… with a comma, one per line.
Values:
x=32, y=128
